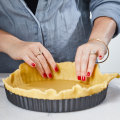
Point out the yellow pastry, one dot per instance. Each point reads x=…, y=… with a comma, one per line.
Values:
x=27, y=82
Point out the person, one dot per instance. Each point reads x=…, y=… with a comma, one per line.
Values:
x=44, y=32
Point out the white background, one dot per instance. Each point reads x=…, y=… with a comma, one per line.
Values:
x=113, y=62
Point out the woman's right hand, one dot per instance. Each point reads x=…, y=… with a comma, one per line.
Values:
x=28, y=51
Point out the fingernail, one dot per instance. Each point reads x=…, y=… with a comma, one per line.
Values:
x=56, y=69
x=79, y=77
x=44, y=75
x=88, y=74
x=50, y=75
x=83, y=78
x=33, y=64
x=100, y=57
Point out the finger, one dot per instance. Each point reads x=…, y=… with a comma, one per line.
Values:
x=84, y=64
x=101, y=54
x=50, y=60
x=38, y=65
x=35, y=51
x=77, y=63
x=47, y=56
x=91, y=64
x=29, y=61
x=41, y=70
x=45, y=65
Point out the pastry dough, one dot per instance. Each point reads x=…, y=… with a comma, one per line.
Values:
x=27, y=82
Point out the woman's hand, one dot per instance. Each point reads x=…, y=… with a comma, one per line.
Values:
x=85, y=61
x=103, y=28
x=28, y=51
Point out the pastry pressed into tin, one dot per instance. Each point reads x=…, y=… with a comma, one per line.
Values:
x=63, y=93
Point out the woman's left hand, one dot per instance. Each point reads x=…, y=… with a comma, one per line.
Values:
x=85, y=61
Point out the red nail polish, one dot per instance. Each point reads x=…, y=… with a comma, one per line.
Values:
x=45, y=75
x=79, y=77
x=83, y=78
x=33, y=64
x=50, y=75
x=100, y=57
x=88, y=74
x=56, y=69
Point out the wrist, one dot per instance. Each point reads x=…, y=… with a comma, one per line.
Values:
x=95, y=39
x=106, y=40
x=7, y=41
x=104, y=29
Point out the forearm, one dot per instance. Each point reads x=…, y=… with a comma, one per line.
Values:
x=104, y=29
x=7, y=41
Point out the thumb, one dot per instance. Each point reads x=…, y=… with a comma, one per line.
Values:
x=101, y=54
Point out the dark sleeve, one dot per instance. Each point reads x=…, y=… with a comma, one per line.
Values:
x=108, y=8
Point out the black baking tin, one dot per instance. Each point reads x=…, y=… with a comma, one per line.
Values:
x=53, y=106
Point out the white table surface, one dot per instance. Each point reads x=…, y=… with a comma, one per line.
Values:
x=107, y=110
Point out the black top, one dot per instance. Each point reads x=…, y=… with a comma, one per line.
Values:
x=32, y=4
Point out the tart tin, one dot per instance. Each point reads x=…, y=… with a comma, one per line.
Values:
x=55, y=106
